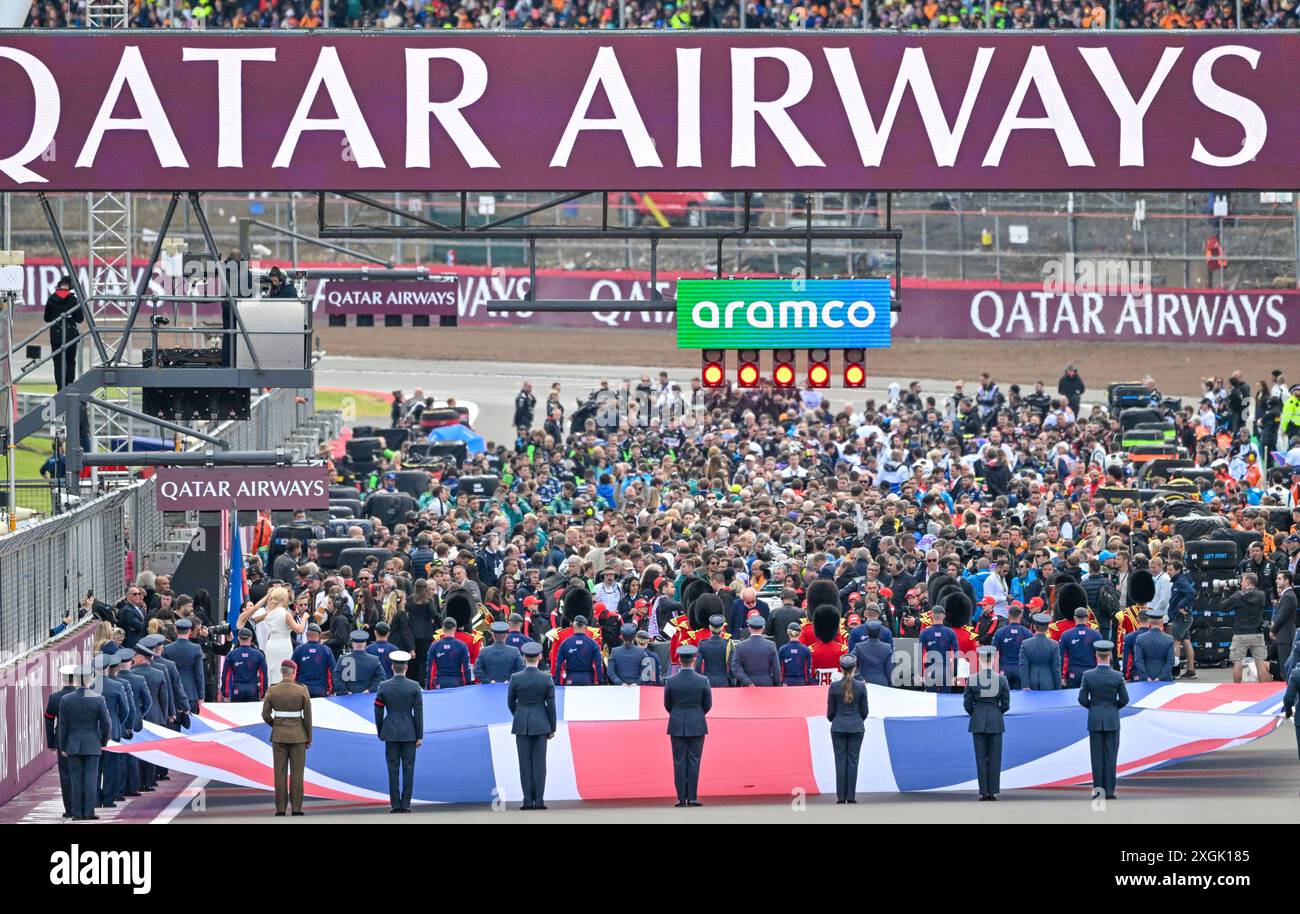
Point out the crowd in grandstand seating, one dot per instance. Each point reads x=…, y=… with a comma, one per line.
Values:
x=664, y=14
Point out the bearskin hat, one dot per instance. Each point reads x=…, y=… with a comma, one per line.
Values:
x=1070, y=597
x=935, y=584
x=958, y=609
x=826, y=623
x=693, y=589
x=460, y=606
x=1141, y=587
x=705, y=605
x=577, y=602
x=822, y=592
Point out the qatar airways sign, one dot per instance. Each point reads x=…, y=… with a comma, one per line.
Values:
x=182, y=110
x=247, y=488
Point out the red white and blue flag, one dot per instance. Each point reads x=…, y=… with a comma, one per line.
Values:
x=612, y=742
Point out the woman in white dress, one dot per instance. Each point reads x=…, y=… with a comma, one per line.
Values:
x=273, y=610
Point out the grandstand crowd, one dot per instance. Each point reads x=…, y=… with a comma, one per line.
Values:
x=664, y=14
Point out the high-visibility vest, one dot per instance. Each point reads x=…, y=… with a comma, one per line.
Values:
x=1214, y=258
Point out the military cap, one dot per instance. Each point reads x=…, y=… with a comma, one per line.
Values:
x=515, y=619
x=1081, y=612
x=531, y=649
x=147, y=642
x=938, y=610
x=1042, y=619
x=756, y=621
x=1153, y=614
x=642, y=633
x=628, y=630
x=142, y=648
x=717, y=621
x=287, y=664
x=313, y=627
x=500, y=628
x=1103, y=647
x=686, y=652
x=245, y=633
x=125, y=655
x=449, y=624
x=184, y=625
x=848, y=661
x=359, y=635
x=874, y=625
x=579, y=621
x=382, y=628
x=986, y=650
x=399, y=657
x=83, y=672
x=104, y=661
x=794, y=627
x=68, y=669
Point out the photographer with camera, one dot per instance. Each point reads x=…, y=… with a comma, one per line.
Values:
x=1249, y=621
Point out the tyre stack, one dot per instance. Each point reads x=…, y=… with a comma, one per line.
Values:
x=1212, y=563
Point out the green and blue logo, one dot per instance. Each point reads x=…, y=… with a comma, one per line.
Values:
x=783, y=313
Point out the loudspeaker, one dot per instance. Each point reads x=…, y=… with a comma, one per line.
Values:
x=183, y=404
x=478, y=486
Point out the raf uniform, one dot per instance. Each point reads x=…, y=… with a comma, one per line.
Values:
x=531, y=699
x=1153, y=653
x=1130, y=646
x=112, y=768
x=180, y=697
x=315, y=666
x=577, y=660
x=631, y=664
x=847, y=729
x=449, y=665
x=1290, y=699
x=399, y=721
x=188, y=658
x=1077, y=654
x=140, y=702
x=687, y=699
x=1040, y=659
x=287, y=711
x=874, y=655
x=986, y=699
x=358, y=670
x=1103, y=693
x=161, y=709
x=52, y=735
x=84, y=728
x=715, y=654
x=795, y=659
x=753, y=662
x=243, y=677
x=1008, y=640
x=498, y=661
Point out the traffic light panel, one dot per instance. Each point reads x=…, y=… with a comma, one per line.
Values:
x=783, y=367
x=855, y=367
x=713, y=372
x=819, y=368
x=747, y=370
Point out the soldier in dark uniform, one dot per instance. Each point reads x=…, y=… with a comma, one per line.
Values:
x=399, y=721
x=140, y=702
x=687, y=699
x=287, y=711
x=1077, y=654
x=83, y=728
x=652, y=669
x=1040, y=658
x=498, y=661
x=1008, y=640
x=162, y=709
x=753, y=661
x=531, y=700
x=358, y=670
x=1103, y=693
x=516, y=637
x=315, y=664
x=939, y=648
x=180, y=698
x=875, y=657
x=577, y=660
x=120, y=713
x=382, y=648
x=1289, y=701
x=448, y=659
x=986, y=699
x=630, y=664
x=69, y=673
x=795, y=659
x=243, y=678
x=188, y=658
x=714, y=654
x=846, y=709
x=1153, y=653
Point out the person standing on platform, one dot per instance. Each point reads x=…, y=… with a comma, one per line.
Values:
x=399, y=721
x=688, y=697
x=846, y=709
x=987, y=699
x=287, y=711
x=84, y=729
x=1103, y=693
x=531, y=700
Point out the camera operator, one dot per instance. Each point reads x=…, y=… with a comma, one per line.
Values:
x=1264, y=569
x=1249, y=605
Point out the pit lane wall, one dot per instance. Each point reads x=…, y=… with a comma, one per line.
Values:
x=25, y=686
x=931, y=309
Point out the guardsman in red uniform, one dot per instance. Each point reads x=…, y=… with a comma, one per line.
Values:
x=830, y=644
x=690, y=627
x=1141, y=590
x=823, y=592
x=1069, y=597
x=575, y=602
x=460, y=606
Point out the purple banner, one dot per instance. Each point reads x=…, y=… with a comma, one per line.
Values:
x=217, y=489
x=25, y=686
x=186, y=110
x=434, y=297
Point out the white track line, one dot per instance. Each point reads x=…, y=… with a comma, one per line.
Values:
x=180, y=801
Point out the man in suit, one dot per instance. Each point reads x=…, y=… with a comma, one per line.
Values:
x=1040, y=658
x=68, y=672
x=714, y=657
x=358, y=670
x=498, y=661
x=113, y=764
x=140, y=703
x=287, y=711
x=1284, y=618
x=399, y=721
x=1153, y=654
x=531, y=699
x=188, y=658
x=754, y=661
x=1103, y=693
x=687, y=699
x=84, y=728
x=986, y=699
x=875, y=658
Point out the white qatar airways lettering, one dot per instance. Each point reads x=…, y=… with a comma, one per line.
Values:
x=131, y=85
x=1233, y=317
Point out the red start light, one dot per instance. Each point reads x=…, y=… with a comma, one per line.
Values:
x=748, y=374
x=713, y=375
x=819, y=375
x=854, y=376
x=783, y=375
